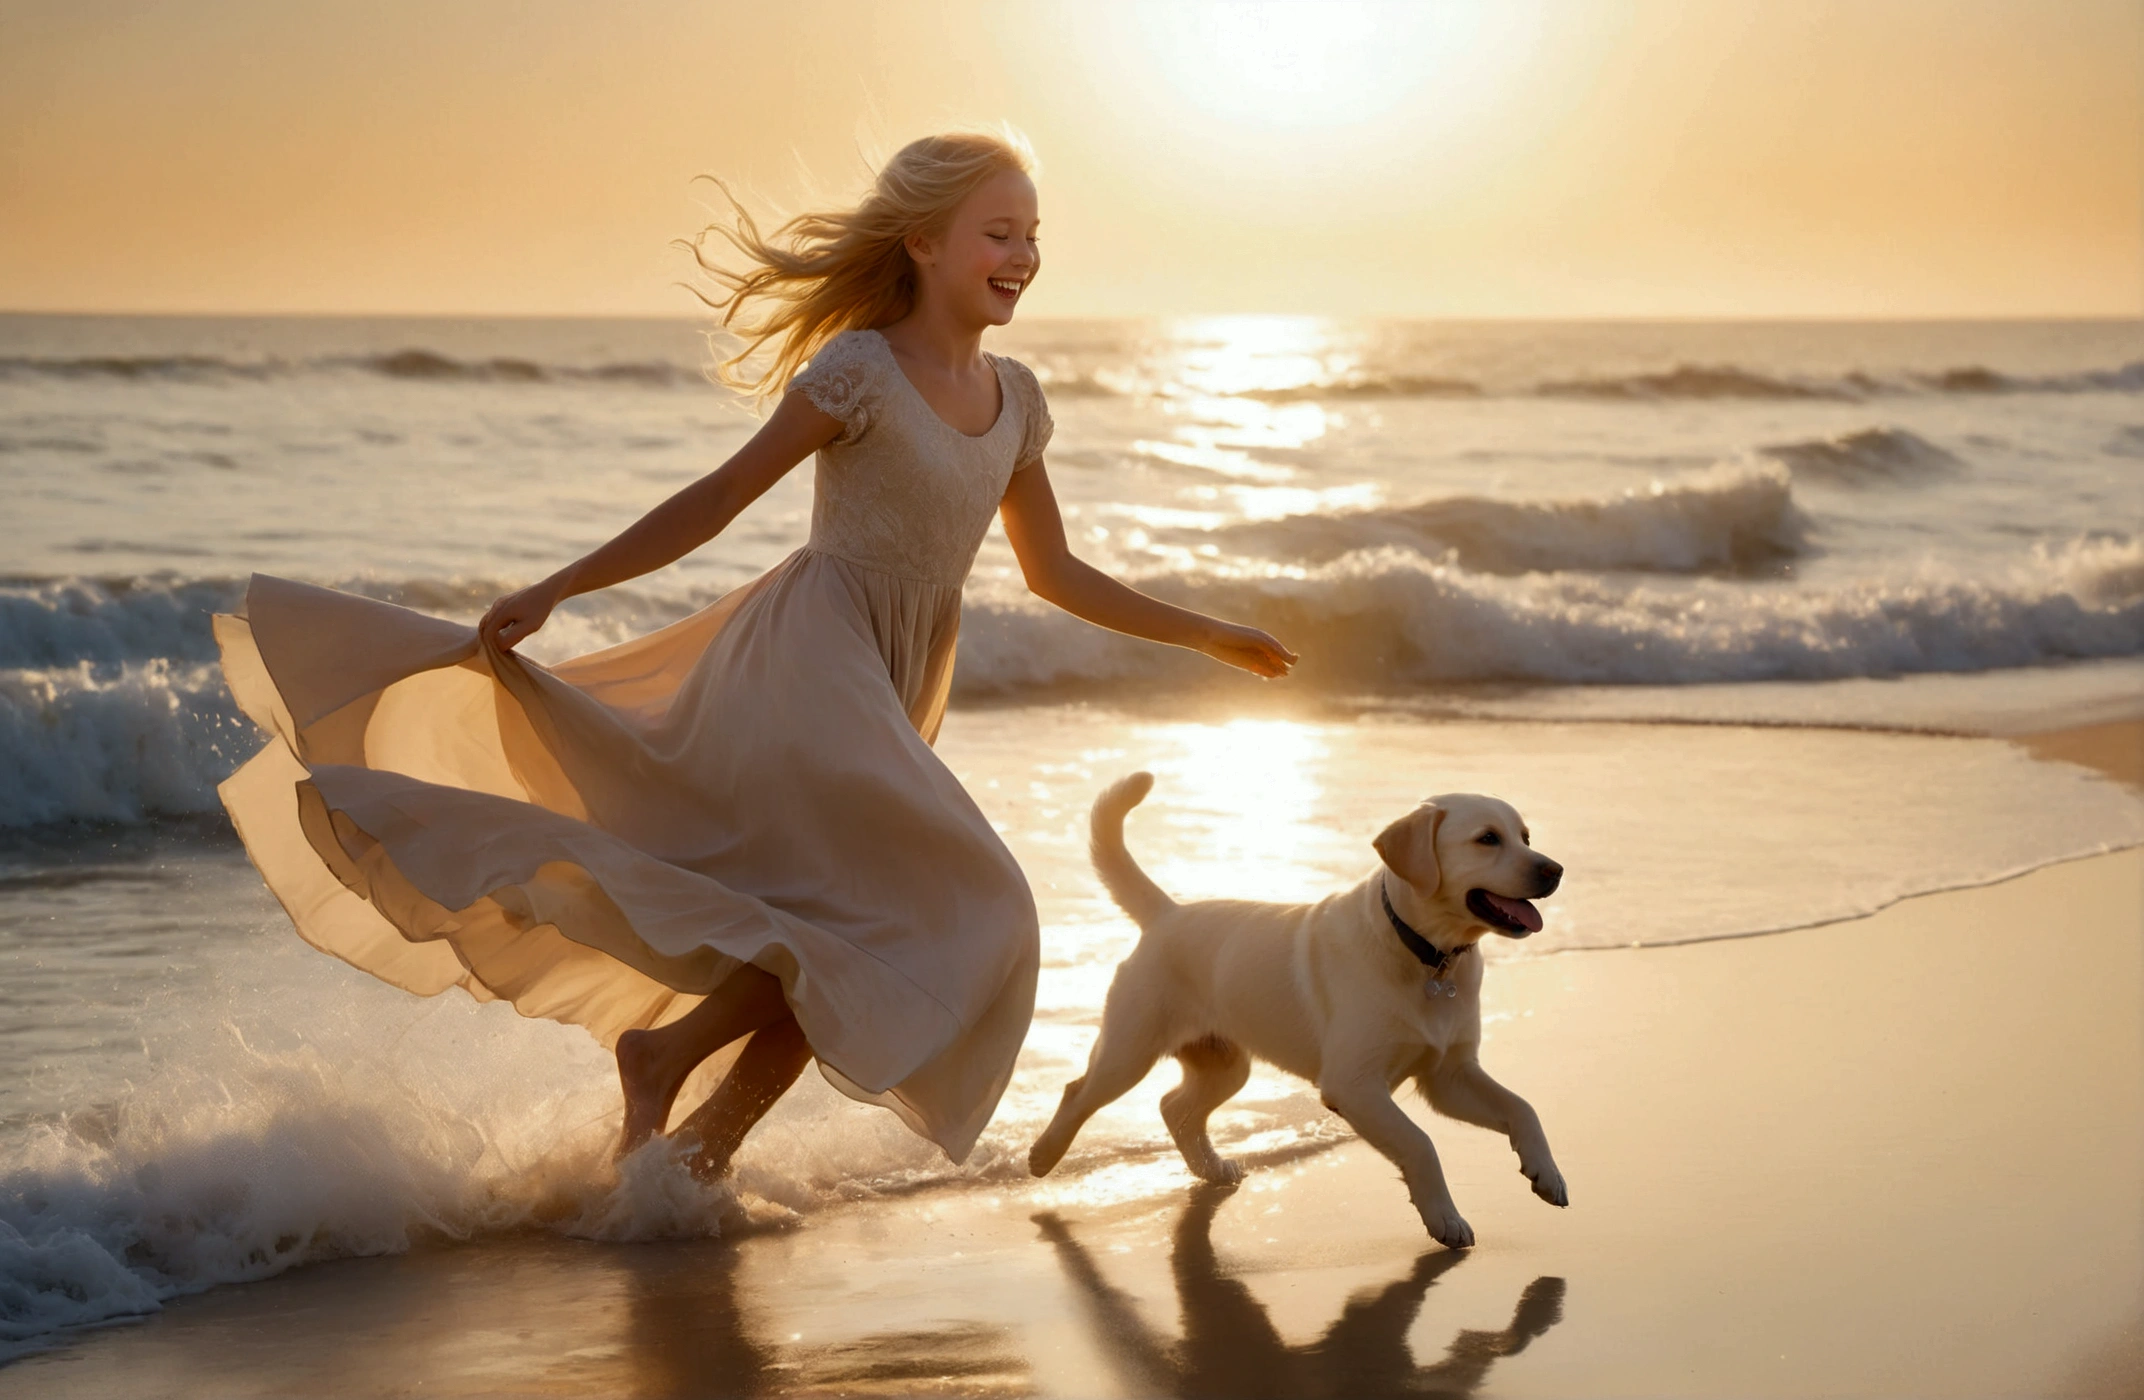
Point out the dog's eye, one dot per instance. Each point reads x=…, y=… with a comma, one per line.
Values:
x=1488, y=838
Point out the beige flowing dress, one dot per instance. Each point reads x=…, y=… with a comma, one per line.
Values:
x=604, y=841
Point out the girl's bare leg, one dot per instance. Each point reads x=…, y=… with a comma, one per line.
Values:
x=652, y=1065
x=771, y=1062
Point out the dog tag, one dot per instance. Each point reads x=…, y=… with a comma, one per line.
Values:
x=1434, y=988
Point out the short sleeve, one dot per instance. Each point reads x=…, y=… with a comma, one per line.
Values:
x=1035, y=422
x=841, y=382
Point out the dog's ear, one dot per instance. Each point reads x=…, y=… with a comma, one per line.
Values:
x=1408, y=847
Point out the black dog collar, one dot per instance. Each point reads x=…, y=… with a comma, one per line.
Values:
x=1425, y=952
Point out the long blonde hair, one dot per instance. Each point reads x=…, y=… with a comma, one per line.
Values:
x=820, y=274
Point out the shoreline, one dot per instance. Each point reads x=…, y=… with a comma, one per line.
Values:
x=1004, y=1215
x=2114, y=748
x=1847, y=1164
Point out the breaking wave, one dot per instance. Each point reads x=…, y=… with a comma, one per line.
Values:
x=1730, y=518
x=113, y=709
x=1873, y=456
x=315, y=1114
x=1392, y=621
x=1381, y=602
x=116, y=744
x=337, y=1123
x=68, y=621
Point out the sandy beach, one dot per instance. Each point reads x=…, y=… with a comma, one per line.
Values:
x=1715, y=432
x=1896, y=1155
x=1830, y=642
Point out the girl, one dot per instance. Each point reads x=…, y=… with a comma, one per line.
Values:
x=732, y=835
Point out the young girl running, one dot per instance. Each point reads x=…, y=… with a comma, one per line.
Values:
x=730, y=836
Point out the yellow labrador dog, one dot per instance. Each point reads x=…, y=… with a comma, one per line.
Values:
x=1356, y=993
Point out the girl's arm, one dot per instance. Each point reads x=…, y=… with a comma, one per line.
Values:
x=1037, y=533
x=675, y=528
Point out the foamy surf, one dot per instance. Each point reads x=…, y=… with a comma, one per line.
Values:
x=229, y=1162
x=340, y=1119
x=1389, y=621
x=286, y=1110
x=133, y=739
x=1438, y=516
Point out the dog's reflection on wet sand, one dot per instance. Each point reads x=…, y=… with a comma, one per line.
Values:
x=1230, y=1346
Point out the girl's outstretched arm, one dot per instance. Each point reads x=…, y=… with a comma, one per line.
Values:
x=675, y=528
x=1053, y=574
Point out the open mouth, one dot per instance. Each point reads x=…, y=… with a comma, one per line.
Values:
x=1006, y=288
x=1514, y=918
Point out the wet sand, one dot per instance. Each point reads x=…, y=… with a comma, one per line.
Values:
x=2115, y=748
x=1898, y=1155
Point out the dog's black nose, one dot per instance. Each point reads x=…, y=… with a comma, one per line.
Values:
x=1550, y=875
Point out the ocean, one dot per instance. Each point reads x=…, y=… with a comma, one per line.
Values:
x=1643, y=579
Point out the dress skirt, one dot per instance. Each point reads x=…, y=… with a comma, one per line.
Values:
x=604, y=841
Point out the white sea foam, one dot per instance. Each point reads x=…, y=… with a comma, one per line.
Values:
x=126, y=741
x=1391, y=620
x=385, y=1123
x=315, y=1114
x=116, y=743
x=312, y=1114
x=62, y=621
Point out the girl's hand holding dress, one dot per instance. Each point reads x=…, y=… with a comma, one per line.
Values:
x=516, y=617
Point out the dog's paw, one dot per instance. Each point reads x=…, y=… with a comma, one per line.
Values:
x=1447, y=1229
x=1548, y=1185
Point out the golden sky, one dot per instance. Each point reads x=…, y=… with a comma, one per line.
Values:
x=1442, y=158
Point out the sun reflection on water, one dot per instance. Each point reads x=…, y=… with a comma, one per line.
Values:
x=1229, y=356
x=1237, y=802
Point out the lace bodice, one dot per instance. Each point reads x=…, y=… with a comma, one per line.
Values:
x=900, y=489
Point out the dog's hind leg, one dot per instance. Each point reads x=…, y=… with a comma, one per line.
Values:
x=1214, y=1070
x=1133, y=1037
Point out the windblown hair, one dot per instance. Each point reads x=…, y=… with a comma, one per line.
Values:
x=820, y=274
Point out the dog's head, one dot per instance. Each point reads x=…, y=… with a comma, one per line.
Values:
x=1468, y=861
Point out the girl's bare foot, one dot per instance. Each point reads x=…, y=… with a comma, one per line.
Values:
x=650, y=1088
x=653, y=1064
x=771, y=1062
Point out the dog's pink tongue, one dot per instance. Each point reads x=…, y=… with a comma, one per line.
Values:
x=1519, y=911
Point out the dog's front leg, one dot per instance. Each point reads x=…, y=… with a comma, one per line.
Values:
x=1460, y=1088
x=1365, y=1101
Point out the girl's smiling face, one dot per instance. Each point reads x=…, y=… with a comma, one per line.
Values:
x=980, y=264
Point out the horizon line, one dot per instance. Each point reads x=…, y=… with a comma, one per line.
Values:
x=1761, y=318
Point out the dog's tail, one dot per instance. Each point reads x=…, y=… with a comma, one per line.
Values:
x=1129, y=886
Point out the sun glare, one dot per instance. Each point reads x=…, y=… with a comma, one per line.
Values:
x=1243, y=810
x=1297, y=63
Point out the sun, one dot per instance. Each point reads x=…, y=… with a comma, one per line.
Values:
x=1301, y=63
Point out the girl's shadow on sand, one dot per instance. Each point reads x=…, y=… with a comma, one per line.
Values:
x=1230, y=1346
